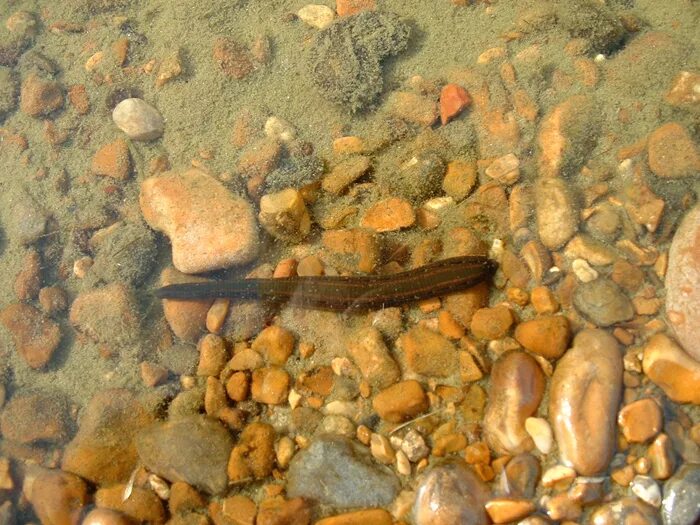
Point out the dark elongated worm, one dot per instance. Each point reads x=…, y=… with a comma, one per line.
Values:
x=346, y=292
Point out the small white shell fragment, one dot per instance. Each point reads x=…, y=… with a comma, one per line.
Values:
x=138, y=119
x=540, y=432
x=315, y=15
x=583, y=271
x=646, y=489
x=279, y=129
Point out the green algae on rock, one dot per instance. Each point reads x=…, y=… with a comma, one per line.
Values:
x=346, y=57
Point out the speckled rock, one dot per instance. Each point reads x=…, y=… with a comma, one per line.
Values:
x=681, y=503
x=36, y=417
x=557, y=218
x=337, y=471
x=138, y=119
x=208, y=444
x=108, y=314
x=103, y=449
x=584, y=398
x=516, y=389
x=451, y=493
x=345, y=58
x=683, y=283
x=603, y=302
x=209, y=227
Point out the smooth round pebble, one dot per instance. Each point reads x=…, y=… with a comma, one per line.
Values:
x=138, y=119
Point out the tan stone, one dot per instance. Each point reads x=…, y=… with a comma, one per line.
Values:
x=351, y=7
x=237, y=386
x=667, y=365
x=429, y=353
x=359, y=517
x=35, y=336
x=506, y=510
x=58, y=497
x=584, y=397
x=254, y=455
x=672, y=152
x=284, y=215
x=212, y=355
x=515, y=392
x=270, y=385
x=275, y=344
x=239, y=510
x=112, y=160
x=460, y=179
x=413, y=108
x=492, y=323
x=369, y=352
x=39, y=97
x=401, y=401
x=641, y=420
x=278, y=511
x=345, y=173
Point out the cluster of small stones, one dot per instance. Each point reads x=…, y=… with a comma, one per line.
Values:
x=566, y=392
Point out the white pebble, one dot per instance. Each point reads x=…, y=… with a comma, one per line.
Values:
x=557, y=474
x=403, y=466
x=341, y=408
x=647, y=490
x=294, y=398
x=540, y=432
x=315, y=15
x=279, y=129
x=583, y=271
x=138, y=119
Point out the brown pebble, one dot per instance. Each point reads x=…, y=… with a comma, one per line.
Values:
x=99, y=516
x=112, y=160
x=237, y=386
x=212, y=355
x=142, y=505
x=53, y=299
x=310, y=266
x=28, y=280
x=453, y=99
x=58, y=497
x=662, y=457
x=547, y=336
x=351, y=7
x=184, y=497
x=40, y=97
x=153, y=374
x=672, y=152
x=413, y=108
x=345, y=173
x=371, y=355
x=460, y=178
x=390, y=214
x=668, y=366
x=78, y=97
x=401, y=401
x=239, y=510
x=234, y=59
x=492, y=323
x=278, y=511
x=187, y=319
x=216, y=315
x=254, y=455
x=359, y=517
x=35, y=336
x=641, y=420
x=505, y=510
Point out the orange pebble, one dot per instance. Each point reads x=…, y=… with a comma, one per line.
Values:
x=453, y=99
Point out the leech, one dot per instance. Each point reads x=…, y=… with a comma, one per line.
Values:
x=340, y=293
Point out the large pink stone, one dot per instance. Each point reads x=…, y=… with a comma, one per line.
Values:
x=209, y=227
x=683, y=284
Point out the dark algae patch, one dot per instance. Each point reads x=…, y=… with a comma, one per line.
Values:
x=346, y=58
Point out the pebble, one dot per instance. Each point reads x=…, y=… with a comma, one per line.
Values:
x=568, y=133
x=208, y=444
x=685, y=89
x=212, y=355
x=647, y=490
x=40, y=97
x=275, y=344
x=315, y=15
x=558, y=476
x=460, y=179
x=413, y=108
x=505, y=170
x=681, y=501
x=413, y=445
x=584, y=396
x=284, y=215
x=58, y=497
x=278, y=511
x=453, y=100
x=450, y=493
x=143, y=504
x=557, y=217
x=683, y=283
x=336, y=471
x=371, y=355
x=108, y=314
x=541, y=433
x=626, y=510
x=187, y=319
x=583, y=271
x=359, y=517
x=401, y=401
x=279, y=129
x=102, y=450
x=491, y=323
x=138, y=119
x=254, y=454
x=516, y=389
x=112, y=160
x=674, y=371
x=345, y=173
x=209, y=227
x=270, y=385
x=520, y=476
x=641, y=420
x=99, y=516
x=389, y=215
x=506, y=510
x=123, y=252
x=351, y=7
x=26, y=219
x=35, y=336
x=672, y=152
x=603, y=302
x=429, y=353
x=36, y=417
x=547, y=335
